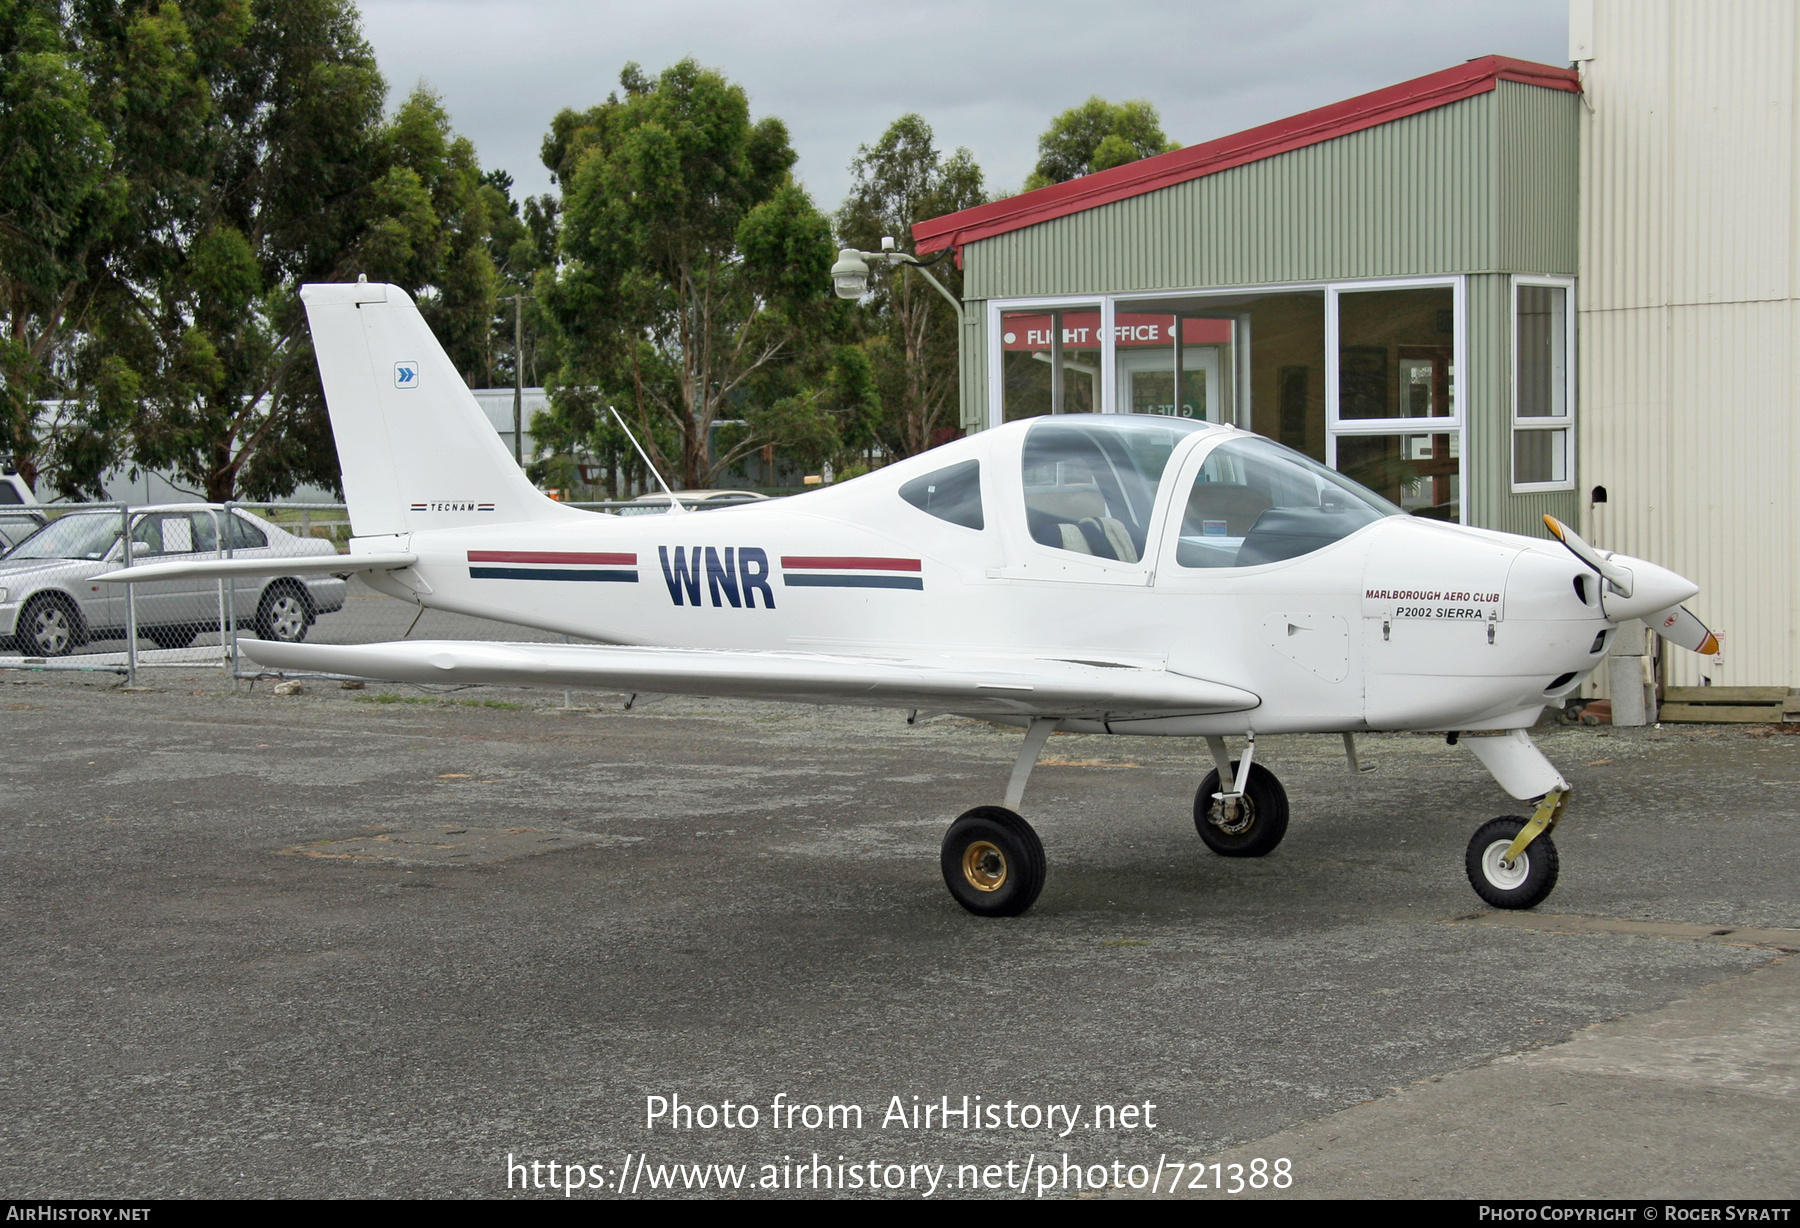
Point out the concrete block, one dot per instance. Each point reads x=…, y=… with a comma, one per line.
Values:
x=1631, y=704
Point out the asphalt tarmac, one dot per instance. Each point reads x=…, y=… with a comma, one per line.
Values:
x=376, y=942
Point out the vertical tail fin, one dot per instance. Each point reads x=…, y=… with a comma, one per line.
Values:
x=415, y=448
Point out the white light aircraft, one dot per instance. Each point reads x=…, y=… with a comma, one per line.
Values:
x=1115, y=573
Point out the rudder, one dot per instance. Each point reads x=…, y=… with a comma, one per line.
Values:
x=415, y=449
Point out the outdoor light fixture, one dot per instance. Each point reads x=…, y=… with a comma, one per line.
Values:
x=850, y=275
x=850, y=278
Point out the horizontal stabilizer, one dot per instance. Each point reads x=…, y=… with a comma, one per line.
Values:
x=991, y=686
x=300, y=565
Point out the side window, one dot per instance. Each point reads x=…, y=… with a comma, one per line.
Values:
x=952, y=493
x=147, y=533
x=1090, y=485
x=1255, y=501
x=240, y=534
x=206, y=532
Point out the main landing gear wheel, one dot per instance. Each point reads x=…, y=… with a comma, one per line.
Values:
x=1526, y=881
x=993, y=862
x=1261, y=820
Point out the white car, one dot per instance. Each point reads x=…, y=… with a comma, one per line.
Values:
x=49, y=605
x=16, y=523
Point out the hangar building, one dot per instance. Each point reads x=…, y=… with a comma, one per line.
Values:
x=1496, y=291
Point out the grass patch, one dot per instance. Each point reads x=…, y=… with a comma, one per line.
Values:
x=436, y=702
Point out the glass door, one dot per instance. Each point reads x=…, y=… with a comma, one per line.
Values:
x=1153, y=356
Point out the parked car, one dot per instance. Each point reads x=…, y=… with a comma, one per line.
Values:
x=49, y=604
x=696, y=500
x=16, y=523
x=16, y=526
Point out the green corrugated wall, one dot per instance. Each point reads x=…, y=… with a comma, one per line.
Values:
x=1486, y=187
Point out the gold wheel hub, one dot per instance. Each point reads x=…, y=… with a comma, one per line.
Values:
x=984, y=866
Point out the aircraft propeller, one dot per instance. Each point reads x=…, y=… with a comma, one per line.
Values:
x=1675, y=623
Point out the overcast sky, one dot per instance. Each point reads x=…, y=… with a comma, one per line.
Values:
x=984, y=74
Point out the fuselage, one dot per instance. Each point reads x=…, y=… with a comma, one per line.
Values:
x=1401, y=623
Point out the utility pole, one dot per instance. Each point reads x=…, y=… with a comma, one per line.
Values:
x=519, y=380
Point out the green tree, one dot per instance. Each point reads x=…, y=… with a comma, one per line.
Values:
x=521, y=244
x=900, y=180
x=447, y=218
x=257, y=159
x=693, y=267
x=1096, y=136
x=60, y=196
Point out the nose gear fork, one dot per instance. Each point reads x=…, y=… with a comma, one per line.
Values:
x=1548, y=812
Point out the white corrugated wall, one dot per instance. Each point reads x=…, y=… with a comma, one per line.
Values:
x=1687, y=308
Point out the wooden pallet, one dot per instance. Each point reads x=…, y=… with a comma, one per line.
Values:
x=1748, y=705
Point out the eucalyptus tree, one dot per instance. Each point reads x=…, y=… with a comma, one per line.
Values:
x=256, y=157
x=61, y=194
x=692, y=267
x=1096, y=136
x=899, y=180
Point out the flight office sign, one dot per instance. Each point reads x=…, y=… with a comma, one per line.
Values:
x=736, y=576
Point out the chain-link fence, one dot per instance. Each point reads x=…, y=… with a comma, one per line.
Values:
x=55, y=613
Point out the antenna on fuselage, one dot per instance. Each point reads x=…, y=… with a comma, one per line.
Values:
x=675, y=505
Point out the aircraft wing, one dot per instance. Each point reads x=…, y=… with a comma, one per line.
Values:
x=985, y=686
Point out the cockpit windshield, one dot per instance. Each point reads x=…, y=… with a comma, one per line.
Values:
x=1090, y=481
x=1255, y=501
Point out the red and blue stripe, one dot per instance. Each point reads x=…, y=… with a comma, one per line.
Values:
x=553, y=565
x=849, y=571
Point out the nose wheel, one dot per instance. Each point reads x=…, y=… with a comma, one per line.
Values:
x=1521, y=880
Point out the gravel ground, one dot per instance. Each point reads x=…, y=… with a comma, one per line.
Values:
x=374, y=942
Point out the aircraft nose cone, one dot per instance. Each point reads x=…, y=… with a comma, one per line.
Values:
x=1653, y=588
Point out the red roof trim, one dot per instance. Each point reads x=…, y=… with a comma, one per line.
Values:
x=1196, y=161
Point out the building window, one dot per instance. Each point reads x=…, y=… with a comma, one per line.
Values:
x=1395, y=408
x=1543, y=384
x=1421, y=473
x=1362, y=376
x=1050, y=360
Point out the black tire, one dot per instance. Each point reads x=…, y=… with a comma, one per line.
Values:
x=1262, y=815
x=993, y=862
x=170, y=637
x=284, y=614
x=49, y=626
x=1523, y=886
